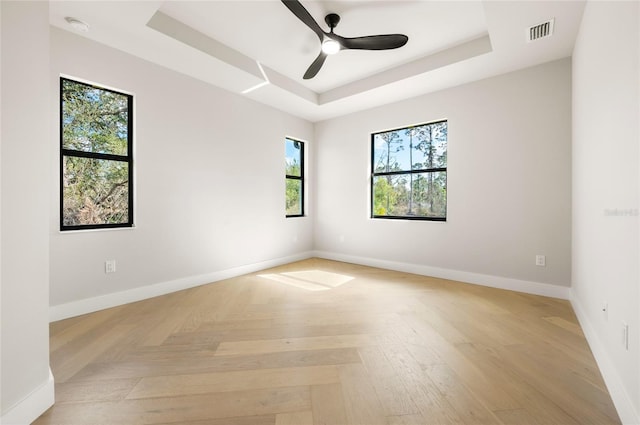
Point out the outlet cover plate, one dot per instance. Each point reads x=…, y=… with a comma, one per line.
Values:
x=110, y=266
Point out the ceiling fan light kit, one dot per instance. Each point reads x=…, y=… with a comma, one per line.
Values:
x=330, y=46
x=332, y=43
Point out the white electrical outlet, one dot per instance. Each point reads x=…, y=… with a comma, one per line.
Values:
x=110, y=266
x=625, y=335
x=541, y=260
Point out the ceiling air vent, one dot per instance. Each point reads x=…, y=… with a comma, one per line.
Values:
x=542, y=30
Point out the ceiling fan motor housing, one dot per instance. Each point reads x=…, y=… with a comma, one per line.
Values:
x=332, y=20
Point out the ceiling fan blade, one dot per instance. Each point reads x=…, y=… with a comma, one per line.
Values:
x=302, y=14
x=315, y=66
x=374, y=42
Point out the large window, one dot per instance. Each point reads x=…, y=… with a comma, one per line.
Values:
x=96, y=162
x=294, y=176
x=409, y=172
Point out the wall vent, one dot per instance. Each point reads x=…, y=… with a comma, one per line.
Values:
x=542, y=30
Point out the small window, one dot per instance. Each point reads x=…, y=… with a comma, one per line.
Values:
x=294, y=177
x=409, y=173
x=96, y=162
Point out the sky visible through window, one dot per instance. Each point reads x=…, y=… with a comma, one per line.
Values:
x=395, y=146
x=292, y=153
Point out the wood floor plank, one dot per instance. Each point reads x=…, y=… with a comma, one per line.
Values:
x=476, y=379
x=163, y=353
x=373, y=347
x=464, y=401
x=235, y=325
x=64, y=331
x=328, y=405
x=199, y=337
x=210, y=303
x=585, y=402
x=539, y=332
x=209, y=364
x=393, y=395
x=415, y=419
x=66, y=367
x=271, y=331
x=92, y=391
x=565, y=324
x=489, y=360
x=361, y=402
x=337, y=318
x=517, y=417
x=292, y=344
x=204, y=383
x=295, y=418
x=433, y=406
x=239, y=420
x=182, y=409
x=169, y=324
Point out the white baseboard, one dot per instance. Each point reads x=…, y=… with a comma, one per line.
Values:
x=89, y=305
x=535, y=288
x=621, y=399
x=32, y=406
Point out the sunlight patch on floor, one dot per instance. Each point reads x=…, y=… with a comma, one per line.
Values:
x=311, y=280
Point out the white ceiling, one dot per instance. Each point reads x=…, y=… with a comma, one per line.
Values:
x=238, y=45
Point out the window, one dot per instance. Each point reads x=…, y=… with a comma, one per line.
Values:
x=96, y=140
x=409, y=172
x=294, y=175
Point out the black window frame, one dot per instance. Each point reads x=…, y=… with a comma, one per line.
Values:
x=98, y=156
x=299, y=178
x=375, y=174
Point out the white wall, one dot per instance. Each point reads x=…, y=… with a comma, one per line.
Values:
x=26, y=389
x=209, y=186
x=606, y=191
x=509, y=182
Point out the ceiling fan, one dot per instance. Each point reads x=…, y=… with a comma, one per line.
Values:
x=332, y=43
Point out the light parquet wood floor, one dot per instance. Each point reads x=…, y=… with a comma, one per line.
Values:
x=323, y=342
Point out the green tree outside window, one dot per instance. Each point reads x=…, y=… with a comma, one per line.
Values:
x=96, y=158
